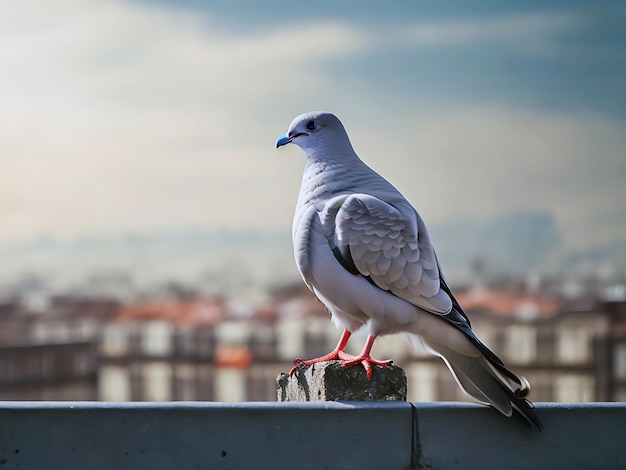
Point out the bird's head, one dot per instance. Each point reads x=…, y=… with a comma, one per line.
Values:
x=314, y=131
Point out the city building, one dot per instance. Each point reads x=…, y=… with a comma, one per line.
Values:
x=72, y=348
x=48, y=349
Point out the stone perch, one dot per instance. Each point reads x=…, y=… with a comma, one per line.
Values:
x=329, y=381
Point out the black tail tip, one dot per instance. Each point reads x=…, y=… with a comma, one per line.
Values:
x=529, y=413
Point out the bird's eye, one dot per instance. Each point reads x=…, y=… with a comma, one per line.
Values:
x=311, y=125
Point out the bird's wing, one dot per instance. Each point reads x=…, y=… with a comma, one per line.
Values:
x=390, y=247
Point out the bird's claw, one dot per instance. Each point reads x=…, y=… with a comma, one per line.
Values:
x=298, y=362
x=366, y=360
x=334, y=355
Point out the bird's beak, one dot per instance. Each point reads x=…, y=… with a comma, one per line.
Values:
x=283, y=140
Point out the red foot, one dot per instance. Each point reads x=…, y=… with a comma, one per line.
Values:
x=349, y=360
x=332, y=356
x=365, y=359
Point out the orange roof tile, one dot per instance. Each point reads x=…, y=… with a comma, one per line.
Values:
x=507, y=302
x=179, y=312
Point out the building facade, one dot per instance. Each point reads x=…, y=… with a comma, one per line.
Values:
x=209, y=350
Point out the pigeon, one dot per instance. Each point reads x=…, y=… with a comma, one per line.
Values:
x=364, y=251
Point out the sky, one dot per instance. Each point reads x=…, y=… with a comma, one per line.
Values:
x=127, y=118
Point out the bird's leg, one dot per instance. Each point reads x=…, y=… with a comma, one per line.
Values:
x=333, y=355
x=363, y=358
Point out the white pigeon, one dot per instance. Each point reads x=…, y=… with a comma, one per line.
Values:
x=365, y=252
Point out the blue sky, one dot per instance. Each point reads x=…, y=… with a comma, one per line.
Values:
x=121, y=118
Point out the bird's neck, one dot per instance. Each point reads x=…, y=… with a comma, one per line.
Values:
x=330, y=149
x=328, y=174
x=326, y=177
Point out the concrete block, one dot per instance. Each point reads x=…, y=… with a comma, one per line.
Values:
x=330, y=381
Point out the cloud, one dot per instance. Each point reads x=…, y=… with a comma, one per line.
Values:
x=530, y=31
x=117, y=117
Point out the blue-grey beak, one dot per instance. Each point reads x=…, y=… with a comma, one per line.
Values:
x=283, y=140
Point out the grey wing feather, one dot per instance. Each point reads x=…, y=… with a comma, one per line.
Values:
x=391, y=248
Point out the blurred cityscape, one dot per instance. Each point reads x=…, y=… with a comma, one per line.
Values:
x=105, y=342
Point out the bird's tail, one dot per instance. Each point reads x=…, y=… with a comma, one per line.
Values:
x=486, y=381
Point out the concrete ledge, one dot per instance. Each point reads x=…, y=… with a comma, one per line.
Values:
x=307, y=435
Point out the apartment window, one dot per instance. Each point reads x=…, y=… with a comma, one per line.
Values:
x=521, y=343
x=574, y=389
x=156, y=338
x=290, y=336
x=114, y=340
x=114, y=384
x=157, y=378
x=230, y=384
x=233, y=332
x=573, y=344
x=423, y=382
